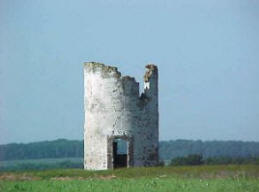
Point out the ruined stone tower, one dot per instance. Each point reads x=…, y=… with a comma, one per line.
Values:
x=117, y=117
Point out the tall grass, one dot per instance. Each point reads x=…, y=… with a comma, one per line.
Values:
x=205, y=171
x=231, y=178
x=135, y=185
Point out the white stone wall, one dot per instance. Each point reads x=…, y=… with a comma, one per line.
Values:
x=113, y=108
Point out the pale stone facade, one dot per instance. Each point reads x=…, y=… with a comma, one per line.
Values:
x=114, y=109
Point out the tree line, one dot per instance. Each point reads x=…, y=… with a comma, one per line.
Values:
x=168, y=150
x=60, y=148
x=197, y=159
x=208, y=149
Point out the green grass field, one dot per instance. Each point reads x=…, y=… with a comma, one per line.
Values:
x=230, y=178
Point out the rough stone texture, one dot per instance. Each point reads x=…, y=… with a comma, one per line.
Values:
x=115, y=109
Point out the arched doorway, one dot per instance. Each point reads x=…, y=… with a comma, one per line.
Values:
x=120, y=152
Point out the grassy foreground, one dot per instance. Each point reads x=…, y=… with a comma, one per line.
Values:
x=234, y=178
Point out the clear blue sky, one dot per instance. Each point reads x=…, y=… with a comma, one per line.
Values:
x=207, y=52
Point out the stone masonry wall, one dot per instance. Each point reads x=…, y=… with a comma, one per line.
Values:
x=114, y=109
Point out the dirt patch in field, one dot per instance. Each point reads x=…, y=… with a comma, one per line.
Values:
x=82, y=178
x=107, y=177
x=25, y=177
x=67, y=178
x=17, y=177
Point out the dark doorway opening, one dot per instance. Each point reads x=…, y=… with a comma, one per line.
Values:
x=120, y=153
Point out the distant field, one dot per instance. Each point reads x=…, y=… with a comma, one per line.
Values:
x=41, y=164
x=243, y=178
